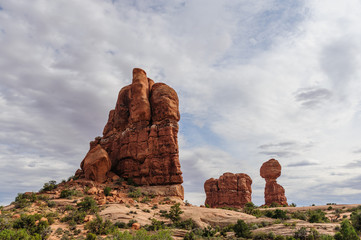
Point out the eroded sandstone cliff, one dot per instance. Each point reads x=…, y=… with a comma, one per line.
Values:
x=140, y=137
x=230, y=190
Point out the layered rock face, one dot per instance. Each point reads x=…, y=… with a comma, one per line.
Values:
x=140, y=136
x=273, y=193
x=230, y=190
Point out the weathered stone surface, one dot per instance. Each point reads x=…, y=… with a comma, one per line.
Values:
x=273, y=193
x=140, y=136
x=230, y=190
x=96, y=164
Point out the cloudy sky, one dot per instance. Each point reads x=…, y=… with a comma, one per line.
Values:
x=256, y=80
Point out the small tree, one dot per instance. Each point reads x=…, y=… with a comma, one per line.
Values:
x=347, y=232
x=175, y=212
x=241, y=229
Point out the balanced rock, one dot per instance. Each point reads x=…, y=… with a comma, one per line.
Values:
x=273, y=193
x=140, y=136
x=96, y=164
x=230, y=190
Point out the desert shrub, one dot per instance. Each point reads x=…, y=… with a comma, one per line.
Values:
x=32, y=224
x=67, y=193
x=4, y=223
x=301, y=234
x=347, y=232
x=208, y=232
x=49, y=186
x=249, y=207
x=143, y=235
x=21, y=234
x=24, y=200
x=156, y=225
x=100, y=227
x=107, y=191
x=356, y=219
x=120, y=224
x=188, y=224
x=134, y=193
x=88, y=205
x=91, y=236
x=74, y=217
x=241, y=229
x=175, y=212
x=277, y=214
x=51, y=204
x=131, y=221
x=299, y=215
x=317, y=216
x=145, y=199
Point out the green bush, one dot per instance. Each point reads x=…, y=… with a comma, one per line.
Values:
x=347, y=232
x=49, y=186
x=100, y=227
x=4, y=223
x=142, y=234
x=24, y=200
x=156, y=225
x=277, y=214
x=299, y=215
x=134, y=193
x=29, y=223
x=91, y=236
x=120, y=224
x=107, y=191
x=356, y=219
x=74, y=217
x=241, y=229
x=67, y=193
x=188, y=224
x=88, y=205
x=175, y=212
x=131, y=221
x=22, y=234
x=317, y=216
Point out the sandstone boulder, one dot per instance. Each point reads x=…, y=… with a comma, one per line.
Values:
x=230, y=190
x=273, y=193
x=96, y=164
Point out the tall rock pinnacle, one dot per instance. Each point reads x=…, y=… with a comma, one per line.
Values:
x=273, y=193
x=140, y=137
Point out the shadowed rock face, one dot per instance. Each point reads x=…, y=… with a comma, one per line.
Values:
x=230, y=190
x=140, y=136
x=273, y=193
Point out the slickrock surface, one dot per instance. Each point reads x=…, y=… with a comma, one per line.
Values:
x=273, y=193
x=230, y=190
x=140, y=136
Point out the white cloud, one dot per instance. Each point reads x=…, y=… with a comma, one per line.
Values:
x=248, y=75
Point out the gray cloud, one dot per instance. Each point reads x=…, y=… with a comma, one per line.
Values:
x=302, y=164
x=354, y=164
x=312, y=97
x=237, y=76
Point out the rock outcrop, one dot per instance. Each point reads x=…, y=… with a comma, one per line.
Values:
x=140, y=136
x=273, y=193
x=230, y=190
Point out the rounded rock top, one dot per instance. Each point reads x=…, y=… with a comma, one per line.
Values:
x=271, y=169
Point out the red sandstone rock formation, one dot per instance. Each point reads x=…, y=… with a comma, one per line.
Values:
x=140, y=136
x=273, y=193
x=230, y=190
